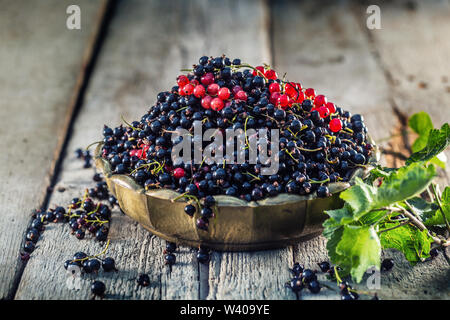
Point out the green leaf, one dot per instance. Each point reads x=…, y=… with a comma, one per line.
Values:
x=333, y=240
x=378, y=172
x=434, y=217
x=373, y=217
x=360, y=197
x=440, y=160
x=421, y=124
x=329, y=227
x=404, y=183
x=358, y=248
x=399, y=185
x=341, y=216
x=424, y=209
x=438, y=141
x=446, y=195
x=412, y=242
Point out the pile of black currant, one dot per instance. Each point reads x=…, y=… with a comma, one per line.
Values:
x=319, y=141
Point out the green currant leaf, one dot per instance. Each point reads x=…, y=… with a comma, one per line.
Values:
x=341, y=216
x=378, y=172
x=438, y=141
x=403, y=184
x=440, y=160
x=446, y=195
x=421, y=208
x=399, y=185
x=358, y=248
x=360, y=197
x=434, y=216
x=412, y=242
x=421, y=124
x=373, y=217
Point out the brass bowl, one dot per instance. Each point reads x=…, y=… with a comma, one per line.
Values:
x=238, y=225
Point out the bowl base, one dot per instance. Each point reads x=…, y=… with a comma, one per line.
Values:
x=217, y=246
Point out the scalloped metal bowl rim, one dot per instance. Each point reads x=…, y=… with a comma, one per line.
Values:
x=169, y=194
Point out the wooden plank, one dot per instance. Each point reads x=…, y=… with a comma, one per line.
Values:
x=43, y=65
x=323, y=47
x=327, y=48
x=414, y=55
x=143, y=55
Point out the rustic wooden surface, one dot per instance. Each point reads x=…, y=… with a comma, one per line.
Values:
x=379, y=73
x=42, y=67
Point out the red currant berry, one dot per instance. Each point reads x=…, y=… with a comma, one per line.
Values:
x=300, y=98
x=178, y=173
x=323, y=111
x=291, y=90
x=133, y=152
x=260, y=69
x=299, y=86
x=320, y=100
x=236, y=89
x=274, y=97
x=335, y=125
x=199, y=91
x=283, y=100
x=310, y=92
x=271, y=74
x=213, y=88
x=224, y=93
x=331, y=107
x=195, y=82
x=274, y=87
x=182, y=81
x=181, y=91
x=206, y=102
x=207, y=79
x=188, y=89
x=241, y=95
x=217, y=104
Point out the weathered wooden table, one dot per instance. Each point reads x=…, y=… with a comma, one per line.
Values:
x=59, y=86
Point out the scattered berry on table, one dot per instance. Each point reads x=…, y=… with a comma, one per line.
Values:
x=109, y=264
x=98, y=289
x=143, y=280
x=387, y=264
x=203, y=255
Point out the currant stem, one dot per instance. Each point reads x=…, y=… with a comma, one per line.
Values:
x=438, y=200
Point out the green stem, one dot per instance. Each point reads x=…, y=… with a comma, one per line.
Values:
x=323, y=181
x=128, y=124
x=93, y=143
x=438, y=200
x=309, y=150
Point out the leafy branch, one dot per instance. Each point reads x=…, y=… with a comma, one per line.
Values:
x=386, y=211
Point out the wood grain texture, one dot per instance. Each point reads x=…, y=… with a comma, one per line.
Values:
x=42, y=65
x=323, y=47
x=412, y=50
x=342, y=59
x=142, y=55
